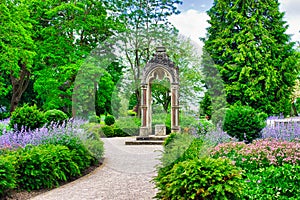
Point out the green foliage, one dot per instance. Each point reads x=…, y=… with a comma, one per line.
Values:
x=254, y=56
x=202, y=178
x=95, y=147
x=131, y=113
x=8, y=174
x=56, y=116
x=244, y=123
x=218, y=116
x=178, y=147
x=108, y=131
x=29, y=117
x=109, y=120
x=205, y=126
x=94, y=119
x=60, y=52
x=45, y=166
x=206, y=105
x=82, y=156
x=2, y=127
x=274, y=182
x=93, y=129
x=129, y=125
x=17, y=49
x=118, y=132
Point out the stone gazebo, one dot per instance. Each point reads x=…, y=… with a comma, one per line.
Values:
x=159, y=67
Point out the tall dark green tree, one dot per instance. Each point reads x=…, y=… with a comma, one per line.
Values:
x=256, y=60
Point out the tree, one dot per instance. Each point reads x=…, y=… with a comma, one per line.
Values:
x=17, y=49
x=146, y=26
x=254, y=55
x=65, y=34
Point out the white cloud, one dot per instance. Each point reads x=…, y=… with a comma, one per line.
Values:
x=191, y=23
x=292, y=16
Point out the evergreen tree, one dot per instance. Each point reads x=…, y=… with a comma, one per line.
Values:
x=254, y=55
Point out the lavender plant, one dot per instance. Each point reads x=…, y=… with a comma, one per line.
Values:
x=69, y=133
x=287, y=131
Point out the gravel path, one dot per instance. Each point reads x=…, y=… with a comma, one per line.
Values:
x=126, y=174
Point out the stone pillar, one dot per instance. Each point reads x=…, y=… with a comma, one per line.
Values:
x=144, y=112
x=175, y=108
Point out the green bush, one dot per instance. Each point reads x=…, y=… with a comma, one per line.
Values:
x=274, y=182
x=244, y=123
x=205, y=126
x=218, y=116
x=204, y=178
x=45, y=166
x=120, y=133
x=82, y=156
x=93, y=129
x=129, y=125
x=109, y=120
x=108, y=131
x=7, y=174
x=56, y=116
x=131, y=113
x=94, y=119
x=29, y=117
x=95, y=147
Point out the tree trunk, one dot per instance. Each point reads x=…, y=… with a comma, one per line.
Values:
x=19, y=85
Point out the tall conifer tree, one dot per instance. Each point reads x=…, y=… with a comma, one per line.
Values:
x=256, y=60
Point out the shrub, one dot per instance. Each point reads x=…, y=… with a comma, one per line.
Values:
x=93, y=129
x=120, y=133
x=244, y=123
x=95, y=147
x=27, y=116
x=204, y=178
x=131, y=113
x=56, y=116
x=7, y=174
x=218, y=116
x=108, y=131
x=94, y=119
x=259, y=154
x=45, y=166
x=109, y=120
x=129, y=125
x=281, y=182
x=204, y=126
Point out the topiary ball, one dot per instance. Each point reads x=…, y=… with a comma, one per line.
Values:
x=109, y=120
x=56, y=116
x=29, y=117
x=244, y=123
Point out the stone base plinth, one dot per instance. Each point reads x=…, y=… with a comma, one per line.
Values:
x=160, y=130
x=144, y=131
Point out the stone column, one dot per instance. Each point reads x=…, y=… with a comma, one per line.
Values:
x=175, y=108
x=144, y=112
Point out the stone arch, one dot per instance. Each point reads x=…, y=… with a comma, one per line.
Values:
x=159, y=67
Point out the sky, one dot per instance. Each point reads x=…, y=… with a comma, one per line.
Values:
x=192, y=21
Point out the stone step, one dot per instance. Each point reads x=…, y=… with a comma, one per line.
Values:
x=144, y=142
x=151, y=137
